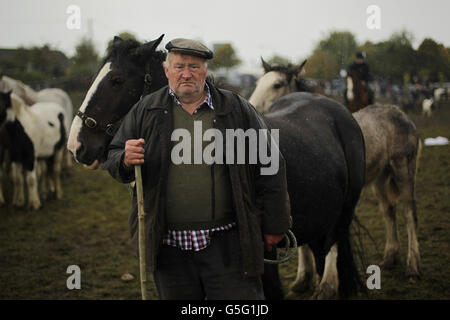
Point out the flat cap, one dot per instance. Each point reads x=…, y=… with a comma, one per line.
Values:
x=191, y=47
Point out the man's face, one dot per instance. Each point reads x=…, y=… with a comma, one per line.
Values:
x=359, y=60
x=186, y=74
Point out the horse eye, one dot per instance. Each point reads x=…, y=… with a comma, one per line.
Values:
x=278, y=85
x=117, y=81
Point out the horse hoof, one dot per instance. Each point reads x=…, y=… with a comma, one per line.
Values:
x=389, y=262
x=300, y=286
x=413, y=275
x=325, y=292
x=291, y=295
x=413, y=280
x=35, y=205
x=19, y=204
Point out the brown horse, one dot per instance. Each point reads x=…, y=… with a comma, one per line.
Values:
x=356, y=93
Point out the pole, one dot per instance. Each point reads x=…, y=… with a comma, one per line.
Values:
x=141, y=227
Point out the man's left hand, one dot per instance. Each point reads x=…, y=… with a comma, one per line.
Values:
x=271, y=240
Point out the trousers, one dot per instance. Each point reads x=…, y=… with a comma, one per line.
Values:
x=213, y=273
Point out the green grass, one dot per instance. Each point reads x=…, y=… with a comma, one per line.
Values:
x=89, y=228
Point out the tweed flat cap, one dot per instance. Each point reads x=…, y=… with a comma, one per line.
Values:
x=191, y=47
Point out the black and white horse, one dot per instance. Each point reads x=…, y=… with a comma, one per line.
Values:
x=319, y=139
x=129, y=69
x=392, y=147
x=36, y=144
x=31, y=96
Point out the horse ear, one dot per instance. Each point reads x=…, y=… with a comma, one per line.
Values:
x=301, y=69
x=302, y=65
x=267, y=67
x=296, y=71
x=117, y=39
x=155, y=43
x=149, y=47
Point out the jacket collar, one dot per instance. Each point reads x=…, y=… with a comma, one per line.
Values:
x=161, y=99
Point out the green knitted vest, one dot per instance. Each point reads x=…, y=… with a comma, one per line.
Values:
x=199, y=196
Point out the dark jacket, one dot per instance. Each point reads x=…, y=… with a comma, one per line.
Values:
x=261, y=201
x=361, y=70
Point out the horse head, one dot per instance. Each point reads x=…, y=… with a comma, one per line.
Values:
x=277, y=81
x=130, y=70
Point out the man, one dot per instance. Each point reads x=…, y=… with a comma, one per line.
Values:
x=361, y=69
x=207, y=224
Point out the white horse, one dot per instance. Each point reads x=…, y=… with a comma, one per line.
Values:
x=392, y=147
x=426, y=107
x=37, y=134
x=31, y=97
x=438, y=94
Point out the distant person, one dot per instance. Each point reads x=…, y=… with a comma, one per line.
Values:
x=361, y=69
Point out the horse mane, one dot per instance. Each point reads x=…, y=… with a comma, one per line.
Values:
x=119, y=53
x=302, y=85
x=17, y=104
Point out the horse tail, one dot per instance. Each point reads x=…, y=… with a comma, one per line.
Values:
x=62, y=133
x=353, y=146
x=349, y=280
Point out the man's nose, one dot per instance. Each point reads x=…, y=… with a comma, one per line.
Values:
x=186, y=73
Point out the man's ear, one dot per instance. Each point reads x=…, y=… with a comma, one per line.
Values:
x=166, y=69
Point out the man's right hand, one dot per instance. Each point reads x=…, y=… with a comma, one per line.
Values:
x=134, y=152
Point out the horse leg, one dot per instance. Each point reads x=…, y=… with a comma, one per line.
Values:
x=405, y=175
x=329, y=284
x=57, y=168
x=307, y=276
x=385, y=193
x=17, y=177
x=49, y=177
x=67, y=162
x=271, y=278
x=41, y=176
x=32, y=185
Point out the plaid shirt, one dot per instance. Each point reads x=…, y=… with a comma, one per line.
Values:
x=193, y=239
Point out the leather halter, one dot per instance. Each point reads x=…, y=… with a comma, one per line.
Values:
x=91, y=123
x=111, y=128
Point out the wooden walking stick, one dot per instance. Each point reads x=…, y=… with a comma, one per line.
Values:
x=141, y=227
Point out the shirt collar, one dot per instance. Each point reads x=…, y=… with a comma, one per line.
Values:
x=207, y=101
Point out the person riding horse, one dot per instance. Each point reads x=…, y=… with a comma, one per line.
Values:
x=361, y=69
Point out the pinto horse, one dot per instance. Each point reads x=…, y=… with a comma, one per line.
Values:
x=319, y=139
x=129, y=71
x=356, y=95
x=36, y=134
x=30, y=97
x=392, y=147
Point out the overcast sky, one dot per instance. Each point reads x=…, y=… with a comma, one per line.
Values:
x=289, y=28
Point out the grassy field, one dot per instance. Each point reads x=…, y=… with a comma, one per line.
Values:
x=89, y=228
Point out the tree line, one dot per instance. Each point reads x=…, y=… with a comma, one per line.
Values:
x=394, y=59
